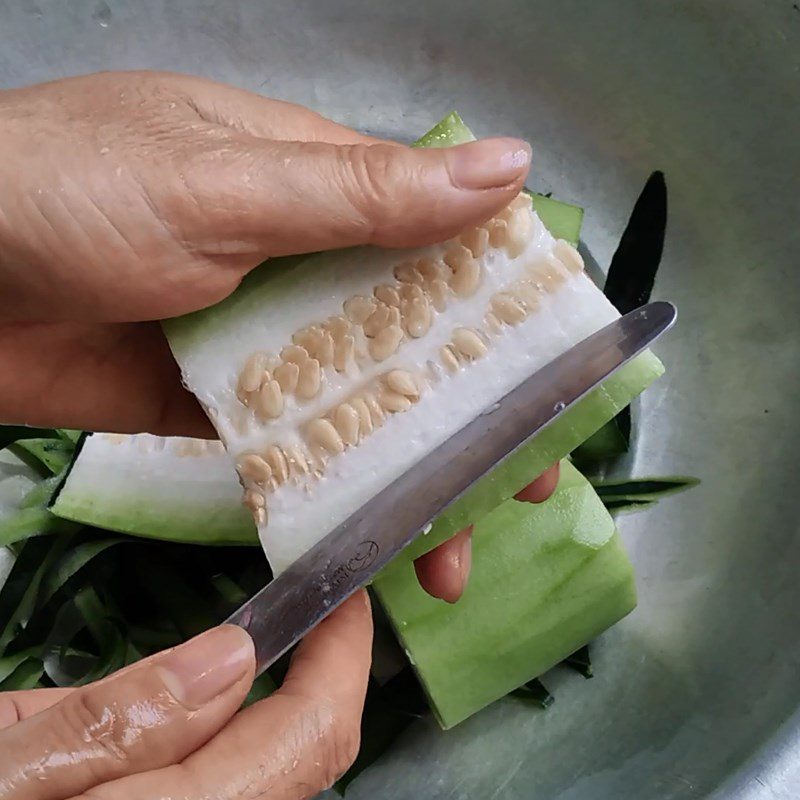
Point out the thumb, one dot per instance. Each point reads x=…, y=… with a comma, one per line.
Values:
x=145, y=718
x=296, y=197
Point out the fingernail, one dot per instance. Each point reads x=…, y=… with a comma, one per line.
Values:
x=489, y=163
x=203, y=668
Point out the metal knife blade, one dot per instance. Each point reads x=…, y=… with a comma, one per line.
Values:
x=281, y=613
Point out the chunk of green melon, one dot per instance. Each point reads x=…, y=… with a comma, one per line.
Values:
x=176, y=489
x=546, y=579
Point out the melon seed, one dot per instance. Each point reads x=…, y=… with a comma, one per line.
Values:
x=276, y=458
x=376, y=321
x=497, y=232
x=309, y=379
x=346, y=421
x=518, y=232
x=294, y=353
x=417, y=318
x=449, y=358
x=324, y=351
x=430, y=269
x=337, y=327
x=322, y=433
x=386, y=342
x=253, y=468
x=456, y=256
x=407, y=273
x=411, y=291
x=308, y=338
x=402, y=382
x=344, y=353
x=464, y=281
x=551, y=274
x=269, y=402
x=254, y=500
x=476, y=240
x=364, y=419
x=253, y=372
x=296, y=460
x=468, y=343
x=287, y=374
x=507, y=309
x=358, y=308
x=394, y=402
x=439, y=292
x=492, y=323
x=387, y=295
x=568, y=256
x=375, y=410
x=528, y=293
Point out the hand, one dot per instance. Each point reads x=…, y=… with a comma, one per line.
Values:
x=170, y=726
x=130, y=197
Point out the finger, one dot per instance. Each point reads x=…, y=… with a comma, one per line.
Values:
x=308, y=196
x=291, y=745
x=16, y=706
x=443, y=572
x=119, y=378
x=541, y=488
x=142, y=720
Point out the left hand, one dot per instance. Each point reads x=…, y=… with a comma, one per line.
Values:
x=131, y=197
x=170, y=726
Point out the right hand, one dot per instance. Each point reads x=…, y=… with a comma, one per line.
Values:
x=170, y=726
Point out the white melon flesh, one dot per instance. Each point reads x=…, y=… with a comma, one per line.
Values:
x=559, y=305
x=167, y=488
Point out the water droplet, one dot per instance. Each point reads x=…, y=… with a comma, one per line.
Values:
x=102, y=14
x=559, y=406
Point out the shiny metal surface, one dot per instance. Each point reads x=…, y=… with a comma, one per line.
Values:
x=279, y=615
x=696, y=694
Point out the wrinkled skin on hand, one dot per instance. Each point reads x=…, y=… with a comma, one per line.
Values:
x=170, y=726
x=126, y=198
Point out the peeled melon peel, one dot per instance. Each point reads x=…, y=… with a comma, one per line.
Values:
x=545, y=580
x=177, y=489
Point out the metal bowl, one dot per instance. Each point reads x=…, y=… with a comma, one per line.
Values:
x=697, y=693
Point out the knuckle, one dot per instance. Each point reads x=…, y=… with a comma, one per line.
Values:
x=374, y=176
x=9, y=711
x=342, y=740
x=89, y=720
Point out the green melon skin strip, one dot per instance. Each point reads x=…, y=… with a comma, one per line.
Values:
x=546, y=579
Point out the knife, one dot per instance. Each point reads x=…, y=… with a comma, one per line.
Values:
x=345, y=560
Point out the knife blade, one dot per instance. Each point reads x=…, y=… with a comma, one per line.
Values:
x=345, y=560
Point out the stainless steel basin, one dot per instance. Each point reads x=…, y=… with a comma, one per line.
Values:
x=697, y=694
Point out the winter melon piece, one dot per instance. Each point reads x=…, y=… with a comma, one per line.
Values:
x=546, y=579
x=178, y=489
x=329, y=376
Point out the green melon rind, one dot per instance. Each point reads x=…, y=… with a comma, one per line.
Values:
x=547, y=448
x=193, y=524
x=190, y=516
x=546, y=579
